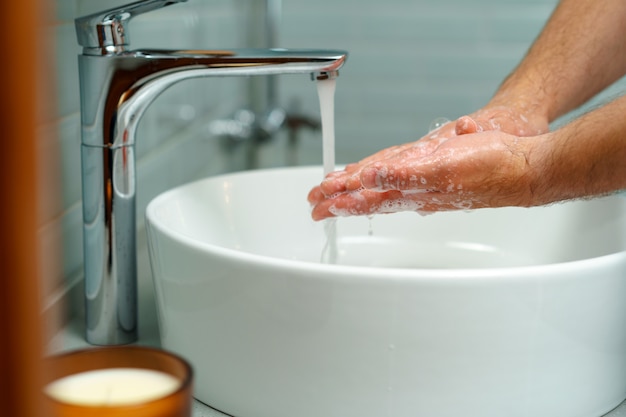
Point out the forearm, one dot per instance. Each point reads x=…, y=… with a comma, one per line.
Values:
x=581, y=51
x=585, y=158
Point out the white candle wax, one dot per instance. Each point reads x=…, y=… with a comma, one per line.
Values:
x=112, y=387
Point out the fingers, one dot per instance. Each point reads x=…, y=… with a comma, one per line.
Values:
x=348, y=178
x=335, y=182
x=377, y=172
x=388, y=176
x=356, y=203
x=395, y=168
x=438, y=172
x=502, y=118
x=367, y=202
x=466, y=125
x=411, y=170
x=315, y=196
x=421, y=175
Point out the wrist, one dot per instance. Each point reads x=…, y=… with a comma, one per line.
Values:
x=530, y=105
x=541, y=178
x=511, y=117
x=570, y=163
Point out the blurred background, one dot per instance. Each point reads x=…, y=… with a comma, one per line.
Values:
x=411, y=61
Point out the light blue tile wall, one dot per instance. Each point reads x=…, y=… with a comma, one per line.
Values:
x=411, y=61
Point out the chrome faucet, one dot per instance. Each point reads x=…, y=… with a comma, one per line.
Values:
x=116, y=86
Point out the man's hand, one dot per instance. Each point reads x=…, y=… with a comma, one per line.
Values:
x=415, y=176
x=485, y=169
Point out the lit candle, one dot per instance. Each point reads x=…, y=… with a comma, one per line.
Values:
x=113, y=387
x=118, y=381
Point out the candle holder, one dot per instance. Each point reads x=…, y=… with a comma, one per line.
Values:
x=99, y=364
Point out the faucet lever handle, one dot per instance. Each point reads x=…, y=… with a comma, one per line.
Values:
x=105, y=32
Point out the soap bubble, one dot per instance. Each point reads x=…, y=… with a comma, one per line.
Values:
x=437, y=123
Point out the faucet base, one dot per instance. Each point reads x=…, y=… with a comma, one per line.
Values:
x=109, y=245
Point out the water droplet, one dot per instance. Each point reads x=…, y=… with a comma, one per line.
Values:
x=370, y=230
x=437, y=123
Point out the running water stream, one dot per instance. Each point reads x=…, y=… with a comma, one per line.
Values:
x=326, y=93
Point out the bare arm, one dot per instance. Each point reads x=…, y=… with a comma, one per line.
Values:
x=581, y=51
x=503, y=154
x=585, y=158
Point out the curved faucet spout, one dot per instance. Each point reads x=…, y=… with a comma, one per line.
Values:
x=116, y=89
x=134, y=79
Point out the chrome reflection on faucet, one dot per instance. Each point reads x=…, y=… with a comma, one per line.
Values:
x=116, y=87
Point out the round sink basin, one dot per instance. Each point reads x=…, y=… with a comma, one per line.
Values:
x=496, y=312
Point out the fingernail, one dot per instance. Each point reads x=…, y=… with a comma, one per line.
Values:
x=465, y=125
x=370, y=178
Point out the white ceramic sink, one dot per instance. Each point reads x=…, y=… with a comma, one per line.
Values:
x=507, y=312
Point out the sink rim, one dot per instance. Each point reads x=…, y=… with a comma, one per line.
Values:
x=371, y=272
